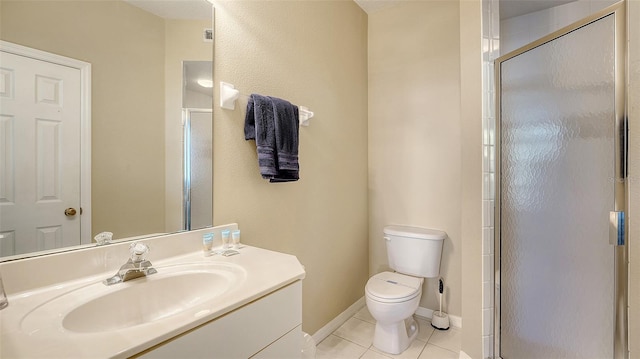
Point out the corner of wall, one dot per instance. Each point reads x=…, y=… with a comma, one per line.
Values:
x=472, y=150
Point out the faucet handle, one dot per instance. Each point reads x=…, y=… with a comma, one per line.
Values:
x=103, y=238
x=4, y=302
x=138, y=251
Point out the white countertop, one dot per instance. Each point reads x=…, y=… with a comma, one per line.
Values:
x=263, y=272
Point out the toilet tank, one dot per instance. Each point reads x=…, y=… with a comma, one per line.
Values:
x=414, y=251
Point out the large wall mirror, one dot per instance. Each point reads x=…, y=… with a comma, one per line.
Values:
x=142, y=163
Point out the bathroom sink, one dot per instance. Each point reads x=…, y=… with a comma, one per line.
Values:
x=148, y=300
x=176, y=289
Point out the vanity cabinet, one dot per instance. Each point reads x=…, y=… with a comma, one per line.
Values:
x=268, y=327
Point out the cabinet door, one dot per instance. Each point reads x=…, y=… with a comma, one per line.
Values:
x=289, y=346
x=241, y=333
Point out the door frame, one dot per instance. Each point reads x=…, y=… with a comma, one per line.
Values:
x=186, y=163
x=619, y=10
x=85, y=124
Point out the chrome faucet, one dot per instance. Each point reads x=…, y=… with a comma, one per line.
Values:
x=137, y=266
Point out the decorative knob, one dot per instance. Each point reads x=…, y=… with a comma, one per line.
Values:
x=70, y=212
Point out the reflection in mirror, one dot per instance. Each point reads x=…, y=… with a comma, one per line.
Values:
x=198, y=131
x=132, y=55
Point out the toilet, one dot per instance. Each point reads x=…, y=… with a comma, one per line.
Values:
x=393, y=297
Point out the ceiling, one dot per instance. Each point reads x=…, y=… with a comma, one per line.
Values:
x=512, y=8
x=176, y=9
x=371, y=6
x=508, y=8
x=201, y=9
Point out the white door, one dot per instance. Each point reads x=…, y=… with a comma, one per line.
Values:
x=39, y=155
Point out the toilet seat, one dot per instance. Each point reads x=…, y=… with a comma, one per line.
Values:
x=390, y=287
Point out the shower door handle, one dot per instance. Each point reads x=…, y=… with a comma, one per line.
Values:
x=617, y=217
x=616, y=228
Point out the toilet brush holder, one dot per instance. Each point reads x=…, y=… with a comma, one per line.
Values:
x=440, y=320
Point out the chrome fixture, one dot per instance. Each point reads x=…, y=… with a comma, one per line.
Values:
x=103, y=238
x=137, y=266
x=4, y=302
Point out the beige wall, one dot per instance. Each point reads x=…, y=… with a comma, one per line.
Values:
x=471, y=137
x=415, y=162
x=127, y=97
x=313, y=53
x=183, y=39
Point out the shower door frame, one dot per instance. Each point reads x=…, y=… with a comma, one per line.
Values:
x=186, y=164
x=619, y=11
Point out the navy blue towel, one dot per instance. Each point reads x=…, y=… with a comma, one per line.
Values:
x=273, y=123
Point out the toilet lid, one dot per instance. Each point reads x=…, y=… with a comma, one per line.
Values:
x=393, y=287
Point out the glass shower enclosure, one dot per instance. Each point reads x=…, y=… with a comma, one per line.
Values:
x=198, y=169
x=197, y=141
x=561, y=269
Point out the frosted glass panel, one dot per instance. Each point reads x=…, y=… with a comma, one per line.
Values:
x=201, y=170
x=557, y=164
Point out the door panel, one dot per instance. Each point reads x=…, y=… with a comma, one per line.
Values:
x=40, y=155
x=557, y=170
x=201, y=154
x=198, y=171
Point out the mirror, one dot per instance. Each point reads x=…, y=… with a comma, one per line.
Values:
x=146, y=58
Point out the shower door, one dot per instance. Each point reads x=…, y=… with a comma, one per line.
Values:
x=198, y=168
x=561, y=271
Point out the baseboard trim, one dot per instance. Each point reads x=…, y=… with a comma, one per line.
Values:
x=334, y=324
x=454, y=320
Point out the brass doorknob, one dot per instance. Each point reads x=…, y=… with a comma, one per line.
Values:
x=69, y=212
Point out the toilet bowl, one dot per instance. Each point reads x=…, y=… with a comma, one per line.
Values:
x=393, y=297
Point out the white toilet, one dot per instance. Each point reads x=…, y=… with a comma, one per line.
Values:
x=392, y=297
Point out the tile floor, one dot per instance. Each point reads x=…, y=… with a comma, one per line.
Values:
x=354, y=340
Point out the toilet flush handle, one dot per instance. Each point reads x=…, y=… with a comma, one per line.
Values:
x=387, y=238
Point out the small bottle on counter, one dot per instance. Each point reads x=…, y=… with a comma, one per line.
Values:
x=225, y=239
x=207, y=244
x=236, y=239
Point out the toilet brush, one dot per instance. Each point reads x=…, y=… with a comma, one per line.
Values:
x=440, y=320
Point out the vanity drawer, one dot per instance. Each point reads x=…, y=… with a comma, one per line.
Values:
x=243, y=332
